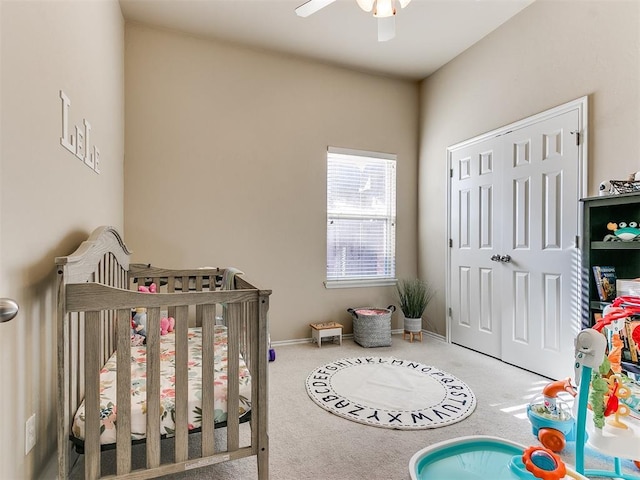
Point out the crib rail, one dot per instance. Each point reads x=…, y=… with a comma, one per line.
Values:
x=95, y=320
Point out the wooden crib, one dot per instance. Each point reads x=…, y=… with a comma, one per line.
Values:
x=97, y=291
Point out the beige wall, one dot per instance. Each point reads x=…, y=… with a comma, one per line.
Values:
x=549, y=54
x=50, y=201
x=226, y=165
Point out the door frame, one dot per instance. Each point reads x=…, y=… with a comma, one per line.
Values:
x=582, y=105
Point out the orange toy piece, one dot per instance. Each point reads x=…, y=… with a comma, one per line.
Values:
x=615, y=355
x=551, y=391
x=553, y=439
x=543, y=463
x=554, y=388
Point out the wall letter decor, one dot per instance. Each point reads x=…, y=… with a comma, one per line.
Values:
x=80, y=144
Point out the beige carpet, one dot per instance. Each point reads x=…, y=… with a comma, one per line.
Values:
x=308, y=442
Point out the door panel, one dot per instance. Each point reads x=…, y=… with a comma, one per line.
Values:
x=519, y=315
x=473, y=282
x=486, y=300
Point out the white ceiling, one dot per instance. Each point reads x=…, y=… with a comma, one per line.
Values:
x=429, y=33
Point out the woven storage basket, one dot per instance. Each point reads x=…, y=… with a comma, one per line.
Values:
x=372, y=326
x=625, y=186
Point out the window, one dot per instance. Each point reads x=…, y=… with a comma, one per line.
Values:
x=361, y=218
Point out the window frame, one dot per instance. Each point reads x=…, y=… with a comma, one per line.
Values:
x=361, y=281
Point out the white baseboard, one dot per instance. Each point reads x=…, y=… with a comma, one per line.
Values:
x=434, y=335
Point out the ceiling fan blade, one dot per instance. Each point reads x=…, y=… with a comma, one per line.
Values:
x=366, y=5
x=312, y=6
x=386, y=28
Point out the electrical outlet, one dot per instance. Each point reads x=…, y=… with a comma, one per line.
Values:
x=30, y=434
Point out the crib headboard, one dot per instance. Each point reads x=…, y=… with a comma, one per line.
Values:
x=97, y=288
x=103, y=258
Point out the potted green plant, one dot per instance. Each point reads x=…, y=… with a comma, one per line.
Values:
x=414, y=296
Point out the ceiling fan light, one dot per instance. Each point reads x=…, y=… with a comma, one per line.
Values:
x=366, y=5
x=384, y=8
x=404, y=3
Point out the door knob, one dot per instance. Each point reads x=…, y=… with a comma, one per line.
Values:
x=505, y=258
x=8, y=309
x=495, y=258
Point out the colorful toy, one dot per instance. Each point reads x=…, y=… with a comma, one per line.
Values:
x=551, y=419
x=622, y=232
x=603, y=396
x=484, y=457
x=139, y=321
x=272, y=352
x=150, y=289
x=166, y=325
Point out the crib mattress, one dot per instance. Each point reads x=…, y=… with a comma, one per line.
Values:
x=108, y=407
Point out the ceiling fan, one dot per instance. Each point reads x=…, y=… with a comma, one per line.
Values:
x=383, y=10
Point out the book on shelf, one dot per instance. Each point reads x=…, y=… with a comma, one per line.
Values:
x=605, y=279
x=630, y=326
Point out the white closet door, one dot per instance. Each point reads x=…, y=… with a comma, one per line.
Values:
x=540, y=309
x=475, y=216
x=514, y=263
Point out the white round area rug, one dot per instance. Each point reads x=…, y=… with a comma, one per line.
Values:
x=390, y=393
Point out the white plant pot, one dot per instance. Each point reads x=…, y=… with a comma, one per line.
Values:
x=412, y=324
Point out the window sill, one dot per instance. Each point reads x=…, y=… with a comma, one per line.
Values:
x=373, y=282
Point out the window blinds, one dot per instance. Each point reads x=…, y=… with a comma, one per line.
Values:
x=361, y=215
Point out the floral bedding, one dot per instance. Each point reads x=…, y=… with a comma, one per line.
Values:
x=108, y=408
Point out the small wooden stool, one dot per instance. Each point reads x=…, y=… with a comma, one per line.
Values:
x=322, y=330
x=411, y=335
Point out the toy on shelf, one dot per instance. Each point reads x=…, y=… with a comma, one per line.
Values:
x=551, y=419
x=622, y=232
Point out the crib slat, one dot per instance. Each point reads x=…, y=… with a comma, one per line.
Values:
x=261, y=358
x=76, y=375
x=252, y=346
x=208, y=374
x=65, y=400
x=123, y=362
x=198, y=316
x=153, y=387
x=198, y=307
x=92, y=394
x=171, y=287
x=233, y=388
x=182, y=383
x=81, y=346
x=250, y=314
